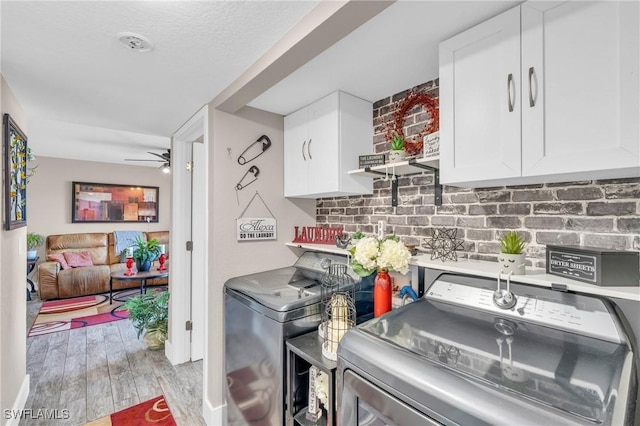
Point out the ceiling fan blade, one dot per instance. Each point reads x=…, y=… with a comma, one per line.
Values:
x=159, y=155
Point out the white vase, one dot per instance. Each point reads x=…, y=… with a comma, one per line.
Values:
x=396, y=156
x=514, y=263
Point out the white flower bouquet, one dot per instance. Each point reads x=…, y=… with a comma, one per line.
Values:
x=370, y=254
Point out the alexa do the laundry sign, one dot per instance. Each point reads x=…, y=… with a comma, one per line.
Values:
x=256, y=228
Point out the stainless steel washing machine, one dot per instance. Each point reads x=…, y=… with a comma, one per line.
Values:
x=261, y=311
x=462, y=356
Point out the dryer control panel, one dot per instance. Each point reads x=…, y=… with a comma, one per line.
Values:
x=570, y=312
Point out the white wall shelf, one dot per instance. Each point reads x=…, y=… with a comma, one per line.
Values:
x=405, y=168
x=483, y=268
x=326, y=248
x=533, y=276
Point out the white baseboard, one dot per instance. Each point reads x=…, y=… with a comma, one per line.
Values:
x=20, y=401
x=214, y=416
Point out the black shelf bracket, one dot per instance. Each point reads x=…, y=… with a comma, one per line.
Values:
x=437, y=187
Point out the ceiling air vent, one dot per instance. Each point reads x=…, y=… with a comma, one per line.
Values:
x=135, y=42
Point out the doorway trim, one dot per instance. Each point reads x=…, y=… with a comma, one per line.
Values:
x=178, y=344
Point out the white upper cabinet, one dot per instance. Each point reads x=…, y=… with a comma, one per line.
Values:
x=480, y=125
x=322, y=143
x=580, y=93
x=547, y=91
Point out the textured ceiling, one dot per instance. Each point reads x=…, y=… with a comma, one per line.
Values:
x=63, y=61
x=86, y=94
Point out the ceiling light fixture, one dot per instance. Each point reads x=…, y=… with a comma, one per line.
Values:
x=165, y=168
x=135, y=42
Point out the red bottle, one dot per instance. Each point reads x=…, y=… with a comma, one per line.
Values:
x=381, y=293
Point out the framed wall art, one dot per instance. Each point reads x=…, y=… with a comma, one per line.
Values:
x=107, y=202
x=15, y=175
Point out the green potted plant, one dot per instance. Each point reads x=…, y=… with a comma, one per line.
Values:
x=149, y=313
x=511, y=258
x=33, y=241
x=145, y=252
x=397, y=152
x=357, y=235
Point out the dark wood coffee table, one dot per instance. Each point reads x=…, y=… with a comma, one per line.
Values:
x=142, y=276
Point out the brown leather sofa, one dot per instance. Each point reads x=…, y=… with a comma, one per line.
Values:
x=55, y=282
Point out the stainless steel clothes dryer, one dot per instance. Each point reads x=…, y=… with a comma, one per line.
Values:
x=460, y=356
x=261, y=311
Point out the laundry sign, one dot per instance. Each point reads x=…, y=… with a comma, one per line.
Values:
x=256, y=228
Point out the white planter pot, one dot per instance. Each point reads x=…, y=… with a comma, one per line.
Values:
x=397, y=156
x=514, y=263
x=32, y=254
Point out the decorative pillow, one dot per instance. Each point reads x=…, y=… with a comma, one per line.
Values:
x=58, y=257
x=76, y=259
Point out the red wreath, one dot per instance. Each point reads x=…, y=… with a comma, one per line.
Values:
x=394, y=127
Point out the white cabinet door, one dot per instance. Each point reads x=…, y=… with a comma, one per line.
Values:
x=323, y=148
x=320, y=141
x=580, y=89
x=296, y=139
x=480, y=102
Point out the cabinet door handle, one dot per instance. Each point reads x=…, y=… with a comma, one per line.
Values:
x=309, y=149
x=509, y=101
x=303, y=145
x=532, y=103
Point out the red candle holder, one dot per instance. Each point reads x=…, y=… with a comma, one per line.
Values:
x=162, y=259
x=129, y=270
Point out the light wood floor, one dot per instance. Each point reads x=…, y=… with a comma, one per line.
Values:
x=98, y=370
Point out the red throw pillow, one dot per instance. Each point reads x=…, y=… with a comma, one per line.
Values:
x=76, y=259
x=58, y=257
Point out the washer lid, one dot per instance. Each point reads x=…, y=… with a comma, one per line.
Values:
x=576, y=377
x=287, y=289
x=272, y=290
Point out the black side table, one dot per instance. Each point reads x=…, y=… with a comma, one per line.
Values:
x=31, y=264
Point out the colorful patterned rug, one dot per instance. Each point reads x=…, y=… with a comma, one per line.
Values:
x=152, y=412
x=67, y=314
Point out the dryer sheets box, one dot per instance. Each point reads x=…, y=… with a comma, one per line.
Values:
x=594, y=265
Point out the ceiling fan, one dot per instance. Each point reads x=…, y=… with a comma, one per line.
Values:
x=164, y=158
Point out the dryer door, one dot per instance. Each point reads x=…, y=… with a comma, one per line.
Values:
x=364, y=404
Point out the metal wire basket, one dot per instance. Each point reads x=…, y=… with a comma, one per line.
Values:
x=338, y=308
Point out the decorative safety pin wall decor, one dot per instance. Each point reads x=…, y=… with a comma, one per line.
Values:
x=265, y=144
x=253, y=170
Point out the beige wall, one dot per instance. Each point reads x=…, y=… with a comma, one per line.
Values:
x=49, y=195
x=229, y=258
x=13, y=265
